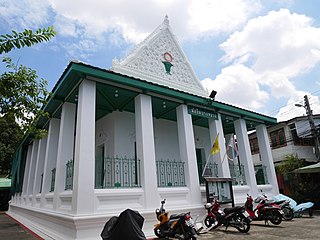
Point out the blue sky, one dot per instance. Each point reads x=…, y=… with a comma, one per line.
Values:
x=260, y=55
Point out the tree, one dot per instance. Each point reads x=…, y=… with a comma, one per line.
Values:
x=22, y=95
x=25, y=38
x=10, y=136
x=289, y=163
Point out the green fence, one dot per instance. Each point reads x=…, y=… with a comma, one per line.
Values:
x=120, y=173
x=237, y=174
x=69, y=175
x=53, y=179
x=170, y=173
x=41, y=182
x=261, y=175
x=210, y=171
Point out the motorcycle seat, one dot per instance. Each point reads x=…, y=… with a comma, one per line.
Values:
x=232, y=209
x=271, y=207
x=176, y=216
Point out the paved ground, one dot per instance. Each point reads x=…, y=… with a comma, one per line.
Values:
x=299, y=228
x=12, y=230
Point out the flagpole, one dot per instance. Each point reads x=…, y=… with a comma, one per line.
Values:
x=226, y=151
x=205, y=166
x=215, y=149
x=225, y=154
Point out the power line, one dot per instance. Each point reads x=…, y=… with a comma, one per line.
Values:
x=301, y=102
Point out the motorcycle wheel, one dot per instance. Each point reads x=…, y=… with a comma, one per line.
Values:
x=288, y=213
x=276, y=218
x=158, y=233
x=191, y=238
x=211, y=222
x=245, y=225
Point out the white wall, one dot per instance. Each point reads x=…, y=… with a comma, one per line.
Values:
x=202, y=139
x=117, y=132
x=166, y=140
x=105, y=134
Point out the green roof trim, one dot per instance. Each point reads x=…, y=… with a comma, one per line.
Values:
x=5, y=182
x=76, y=71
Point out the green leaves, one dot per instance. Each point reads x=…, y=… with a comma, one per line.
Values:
x=25, y=38
x=289, y=163
x=22, y=94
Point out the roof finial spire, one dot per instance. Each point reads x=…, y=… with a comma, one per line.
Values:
x=166, y=20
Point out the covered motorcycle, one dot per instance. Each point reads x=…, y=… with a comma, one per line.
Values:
x=298, y=209
x=127, y=226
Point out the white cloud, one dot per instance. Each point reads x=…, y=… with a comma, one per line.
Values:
x=24, y=14
x=66, y=27
x=136, y=19
x=108, y=21
x=280, y=41
x=290, y=110
x=238, y=85
x=276, y=47
x=216, y=16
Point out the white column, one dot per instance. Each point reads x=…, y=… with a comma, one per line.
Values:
x=266, y=157
x=146, y=149
x=39, y=167
x=33, y=162
x=84, y=159
x=188, y=153
x=65, y=149
x=50, y=158
x=215, y=127
x=26, y=175
x=245, y=155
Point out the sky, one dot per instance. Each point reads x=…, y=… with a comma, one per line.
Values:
x=259, y=55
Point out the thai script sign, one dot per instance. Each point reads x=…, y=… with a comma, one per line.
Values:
x=202, y=113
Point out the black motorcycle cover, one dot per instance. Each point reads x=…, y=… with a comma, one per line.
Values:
x=127, y=226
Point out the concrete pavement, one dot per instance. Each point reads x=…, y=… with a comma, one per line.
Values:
x=299, y=228
x=10, y=229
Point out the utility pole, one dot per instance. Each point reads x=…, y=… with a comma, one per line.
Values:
x=314, y=131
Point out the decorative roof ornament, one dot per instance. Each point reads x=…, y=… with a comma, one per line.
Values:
x=160, y=59
x=166, y=20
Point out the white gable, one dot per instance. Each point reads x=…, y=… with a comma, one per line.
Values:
x=160, y=59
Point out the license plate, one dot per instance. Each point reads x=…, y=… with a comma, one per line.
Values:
x=189, y=223
x=246, y=214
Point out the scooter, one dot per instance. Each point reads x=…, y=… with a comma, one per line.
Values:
x=179, y=226
x=235, y=217
x=284, y=206
x=263, y=211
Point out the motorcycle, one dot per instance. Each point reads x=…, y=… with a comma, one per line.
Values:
x=284, y=205
x=298, y=209
x=263, y=211
x=179, y=226
x=235, y=217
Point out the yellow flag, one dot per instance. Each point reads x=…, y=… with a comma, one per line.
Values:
x=215, y=147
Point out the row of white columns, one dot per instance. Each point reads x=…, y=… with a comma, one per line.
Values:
x=55, y=150
x=241, y=132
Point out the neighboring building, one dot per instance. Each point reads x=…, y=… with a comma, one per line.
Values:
x=288, y=137
x=5, y=185
x=127, y=138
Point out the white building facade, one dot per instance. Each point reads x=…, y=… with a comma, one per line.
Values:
x=127, y=138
